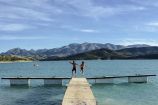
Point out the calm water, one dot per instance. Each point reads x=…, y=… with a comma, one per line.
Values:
x=120, y=93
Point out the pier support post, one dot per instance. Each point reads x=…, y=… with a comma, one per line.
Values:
x=106, y=80
x=52, y=81
x=137, y=79
x=19, y=82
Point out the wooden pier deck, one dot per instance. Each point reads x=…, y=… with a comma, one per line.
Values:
x=79, y=93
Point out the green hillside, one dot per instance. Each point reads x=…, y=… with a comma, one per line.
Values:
x=4, y=58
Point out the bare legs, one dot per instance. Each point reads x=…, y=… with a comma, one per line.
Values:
x=73, y=73
x=82, y=71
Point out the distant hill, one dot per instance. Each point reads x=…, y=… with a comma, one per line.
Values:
x=87, y=51
x=147, y=56
x=62, y=51
x=19, y=52
x=94, y=54
x=127, y=53
x=137, y=51
x=137, y=46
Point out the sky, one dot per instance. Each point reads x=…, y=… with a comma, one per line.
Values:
x=38, y=24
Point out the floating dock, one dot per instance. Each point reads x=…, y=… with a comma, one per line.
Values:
x=79, y=93
x=58, y=80
x=17, y=81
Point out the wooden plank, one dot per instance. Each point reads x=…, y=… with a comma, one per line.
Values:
x=79, y=93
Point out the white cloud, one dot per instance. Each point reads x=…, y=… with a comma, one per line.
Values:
x=37, y=13
x=88, y=30
x=89, y=9
x=154, y=24
x=48, y=11
x=129, y=41
x=10, y=37
x=72, y=28
x=14, y=27
x=147, y=27
x=144, y=27
x=12, y=12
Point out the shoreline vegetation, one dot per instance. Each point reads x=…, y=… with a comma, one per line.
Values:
x=14, y=58
x=105, y=54
x=14, y=61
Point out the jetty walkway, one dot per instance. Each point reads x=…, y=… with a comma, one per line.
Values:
x=79, y=93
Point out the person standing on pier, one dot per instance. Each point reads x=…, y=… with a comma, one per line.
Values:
x=82, y=67
x=73, y=67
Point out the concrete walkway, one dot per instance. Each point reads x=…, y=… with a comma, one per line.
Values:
x=79, y=93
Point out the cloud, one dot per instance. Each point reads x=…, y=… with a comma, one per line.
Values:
x=153, y=3
x=129, y=41
x=26, y=11
x=72, y=28
x=89, y=9
x=45, y=10
x=10, y=37
x=154, y=24
x=14, y=27
x=147, y=27
x=13, y=12
x=49, y=11
x=43, y=13
x=144, y=28
x=151, y=27
x=88, y=30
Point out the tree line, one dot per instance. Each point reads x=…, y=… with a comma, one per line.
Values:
x=12, y=58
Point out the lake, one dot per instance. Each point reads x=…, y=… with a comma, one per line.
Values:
x=119, y=93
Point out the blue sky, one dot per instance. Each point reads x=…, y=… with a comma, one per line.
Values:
x=36, y=24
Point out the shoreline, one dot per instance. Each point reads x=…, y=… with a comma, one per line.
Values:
x=14, y=61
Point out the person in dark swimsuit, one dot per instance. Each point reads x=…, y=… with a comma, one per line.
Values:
x=73, y=67
x=82, y=67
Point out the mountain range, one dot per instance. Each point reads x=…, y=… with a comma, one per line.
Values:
x=75, y=48
x=127, y=53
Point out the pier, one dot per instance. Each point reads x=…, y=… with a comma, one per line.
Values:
x=58, y=80
x=16, y=81
x=130, y=78
x=79, y=93
x=78, y=90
